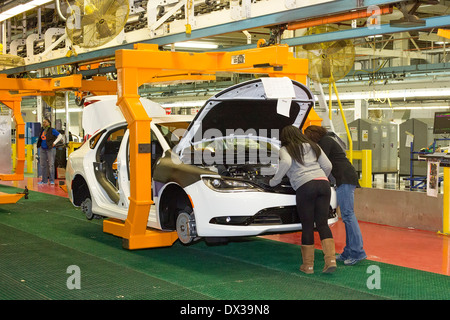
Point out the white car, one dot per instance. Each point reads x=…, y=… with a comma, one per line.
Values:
x=211, y=183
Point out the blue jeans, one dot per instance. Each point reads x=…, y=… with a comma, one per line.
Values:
x=353, y=238
x=47, y=162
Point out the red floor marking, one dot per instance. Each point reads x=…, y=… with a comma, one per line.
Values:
x=416, y=249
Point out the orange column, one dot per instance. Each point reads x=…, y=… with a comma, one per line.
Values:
x=14, y=104
x=134, y=230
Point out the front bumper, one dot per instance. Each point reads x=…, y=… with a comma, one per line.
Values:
x=268, y=216
x=240, y=214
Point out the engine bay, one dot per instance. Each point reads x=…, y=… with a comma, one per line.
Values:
x=259, y=174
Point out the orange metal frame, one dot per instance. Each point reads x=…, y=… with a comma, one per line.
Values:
x=43, y=86
x=147, y=64
x=13, y=101
x=99, y=85
x=11, y=92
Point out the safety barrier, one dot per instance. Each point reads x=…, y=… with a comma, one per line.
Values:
x=366, y=166
x=29, y=156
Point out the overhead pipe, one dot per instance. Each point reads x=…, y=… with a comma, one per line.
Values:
x=337, y=18
x=58, y=9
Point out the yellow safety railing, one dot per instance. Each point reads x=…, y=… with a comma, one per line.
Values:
x=28, y=157
x=366, y=166
x=13, y=156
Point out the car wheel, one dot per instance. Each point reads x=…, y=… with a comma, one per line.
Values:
x=86, y=207
x=186, y=227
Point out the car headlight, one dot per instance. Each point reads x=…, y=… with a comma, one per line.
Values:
x=229, y=185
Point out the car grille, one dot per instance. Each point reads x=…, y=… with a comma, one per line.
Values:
x=268, y=216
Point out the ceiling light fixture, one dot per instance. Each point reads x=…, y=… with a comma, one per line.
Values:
x=21, y=8
x=196, y=45
x=392, y=94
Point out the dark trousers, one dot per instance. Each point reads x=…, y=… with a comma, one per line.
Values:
x=313, y=202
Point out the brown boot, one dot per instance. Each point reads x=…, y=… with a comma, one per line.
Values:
x=308, y=259
x=329, y=253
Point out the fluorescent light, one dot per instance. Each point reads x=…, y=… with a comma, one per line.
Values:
x=38, y=3
x=198, y=45
x=21, y=8
x=392, y=94
x=70, y=110
x=409, y=108
x=183, y=104
x=399, y=108
x=375, y=36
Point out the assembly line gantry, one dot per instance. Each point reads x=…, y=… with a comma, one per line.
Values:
x=146, y=63
x=11, y=92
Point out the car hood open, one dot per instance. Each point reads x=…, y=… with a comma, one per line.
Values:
x=255, y=107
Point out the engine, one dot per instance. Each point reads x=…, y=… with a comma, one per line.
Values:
x=259, y=174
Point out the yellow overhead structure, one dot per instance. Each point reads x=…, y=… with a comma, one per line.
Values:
x=11, y=92
x=146, y=63
x=444, y=33
x=25, y=87
x=99, y=85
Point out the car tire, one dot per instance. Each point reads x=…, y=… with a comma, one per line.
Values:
x=86, y=207
x=185, y=227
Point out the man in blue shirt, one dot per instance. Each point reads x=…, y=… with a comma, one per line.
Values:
x=47, y=141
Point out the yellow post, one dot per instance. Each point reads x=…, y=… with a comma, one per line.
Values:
x=330, y=101
x=13, y=156
x=350, y=142
x=13, y=103
x=71, y=147
x=366, y=167
x=29, y=157
x=446, y=215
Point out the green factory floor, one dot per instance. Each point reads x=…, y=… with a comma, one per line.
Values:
x=41, y=237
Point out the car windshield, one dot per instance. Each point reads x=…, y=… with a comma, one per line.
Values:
x=173, y=131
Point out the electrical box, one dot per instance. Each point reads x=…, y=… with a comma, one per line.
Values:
x=381, y=138
x=415, y=131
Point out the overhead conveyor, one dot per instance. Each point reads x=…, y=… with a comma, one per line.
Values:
x=146, y=63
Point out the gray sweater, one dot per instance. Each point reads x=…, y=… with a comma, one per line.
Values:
x=300, y=174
